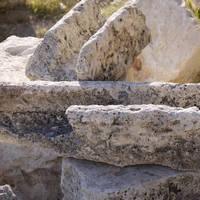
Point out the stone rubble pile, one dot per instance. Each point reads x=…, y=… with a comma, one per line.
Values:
x=101, y=140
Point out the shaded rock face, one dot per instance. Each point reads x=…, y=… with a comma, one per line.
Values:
x=56, y=57
x=111, y=51
x=6, y=193
x=174, y=51
x=33, y=171
x=84, y=180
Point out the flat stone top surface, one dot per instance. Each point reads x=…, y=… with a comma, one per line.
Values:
x=14, y=54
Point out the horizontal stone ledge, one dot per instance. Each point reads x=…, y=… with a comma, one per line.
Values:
x=120, y=135
x=58, y=96
x=137, y=134
x=89, y=180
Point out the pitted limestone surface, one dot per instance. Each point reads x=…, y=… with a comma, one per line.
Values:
x=56, y=57
x=111, y=51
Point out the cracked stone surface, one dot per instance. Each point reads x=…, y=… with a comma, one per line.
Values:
x=84, y=180
x=56, y=57
x=109, y=53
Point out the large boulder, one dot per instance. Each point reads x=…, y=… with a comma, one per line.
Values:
x=84, y=180
x=15, y=52
x=56, y=57
x=174, y=51
x=110, y=52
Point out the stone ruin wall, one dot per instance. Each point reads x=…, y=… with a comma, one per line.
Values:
x=99, y=139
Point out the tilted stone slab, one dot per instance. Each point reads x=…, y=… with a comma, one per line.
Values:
x=84, y=180
x=56, y=57
x=174, y=51
x=111, y=51
x=136, y=134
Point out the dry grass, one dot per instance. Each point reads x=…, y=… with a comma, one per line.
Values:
x=109, y=10
x=193, y=8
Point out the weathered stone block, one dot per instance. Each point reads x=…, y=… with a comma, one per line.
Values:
x=137, y=134
x=111, y=51
x=24, y=120
x=84, y=180
x=56, y=57
x=174, y=51
x=15, y=53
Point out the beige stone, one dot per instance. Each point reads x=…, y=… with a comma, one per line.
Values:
x=137, y=134
x=84, y=180
x=56, y=57
x=174, y=51
x=58, y=96
x=15, y=52
x=111, y=51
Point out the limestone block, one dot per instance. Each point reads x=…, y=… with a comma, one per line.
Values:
x=111, y=51
x=6, y=193
x=15, y=52
x=84, y=180
x=174, y=51
x=55, y=58
x=33, y=171
x=58, y=96
x=137, y=134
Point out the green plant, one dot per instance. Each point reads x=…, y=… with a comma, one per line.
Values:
x=47, y=7
x=109, y=10
x=193, y=8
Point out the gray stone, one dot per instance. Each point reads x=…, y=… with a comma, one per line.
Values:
x=136, y=134
x=84, y=180
x=57, y=97
x=33, y=171
x=56, y=57
x=111, y=51
x=6, y=193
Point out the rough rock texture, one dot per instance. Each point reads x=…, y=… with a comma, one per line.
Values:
x=6, y=193
x=34, y=113
x=174, y=51
x=84, y=180
x=137, y=134
x=56, y=57
x=15, y=52
x=33, y=171
x=111, y=51
x=53, y=96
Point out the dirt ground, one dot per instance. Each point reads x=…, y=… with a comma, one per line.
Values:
x=21, y=22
